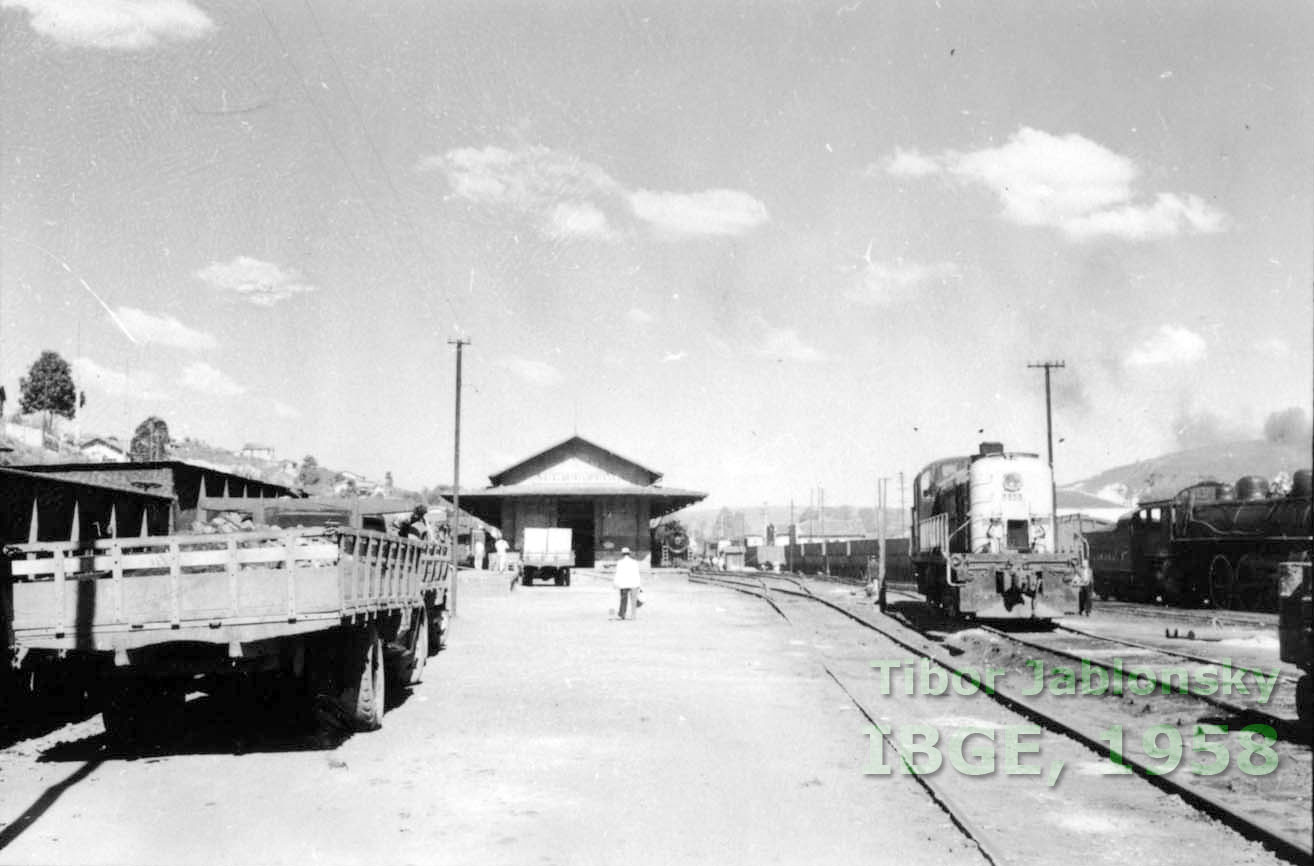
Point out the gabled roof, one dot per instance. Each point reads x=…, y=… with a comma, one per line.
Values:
x=576, y=445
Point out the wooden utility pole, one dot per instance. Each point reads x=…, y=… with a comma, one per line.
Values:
x=1049, y=436
x=880, y=531
x=456, y=478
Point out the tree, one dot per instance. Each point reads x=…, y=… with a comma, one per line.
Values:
x=150, y=441
x=48, y=387
x=308, y=475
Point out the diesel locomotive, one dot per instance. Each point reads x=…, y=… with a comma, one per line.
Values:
x=982, y=541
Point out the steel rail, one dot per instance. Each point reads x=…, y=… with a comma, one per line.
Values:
x=1277, y=722
x=1293, y=850
x=1166, y=651
x=948, y=804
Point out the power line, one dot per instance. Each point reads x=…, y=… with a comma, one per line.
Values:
x=332, y=139
x=416, y=237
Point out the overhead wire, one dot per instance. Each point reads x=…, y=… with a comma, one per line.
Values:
x=332, y=138
x=402, y=212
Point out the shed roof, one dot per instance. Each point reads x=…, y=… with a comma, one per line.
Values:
x=576, y=445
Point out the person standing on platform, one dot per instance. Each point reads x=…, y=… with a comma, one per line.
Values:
x=626, y=579
x=500, y=548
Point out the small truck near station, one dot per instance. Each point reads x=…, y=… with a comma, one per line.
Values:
x=326, y=609
x=546, y=555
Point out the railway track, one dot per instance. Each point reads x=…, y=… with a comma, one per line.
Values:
x=1245, y=807
x=1098, y=648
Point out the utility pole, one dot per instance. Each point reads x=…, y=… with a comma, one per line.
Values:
x=793, y=535
x=880, y=531
x=1049, y=436
x=821, y=512
x=903, y=509
x=456, y=475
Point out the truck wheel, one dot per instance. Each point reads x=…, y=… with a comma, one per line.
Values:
x=439, y=622
x=419, y=649
x=138, y=711
x=363, y=696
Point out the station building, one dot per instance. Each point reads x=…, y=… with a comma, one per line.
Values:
x=606, y=500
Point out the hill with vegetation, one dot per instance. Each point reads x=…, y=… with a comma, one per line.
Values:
x=1163, y=476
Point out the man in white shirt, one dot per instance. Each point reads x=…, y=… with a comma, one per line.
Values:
x=501, y=547
x=626, y=579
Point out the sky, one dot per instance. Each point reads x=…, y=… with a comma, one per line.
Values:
x=764, y=248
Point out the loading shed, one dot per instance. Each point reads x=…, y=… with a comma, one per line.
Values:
x=606, y=500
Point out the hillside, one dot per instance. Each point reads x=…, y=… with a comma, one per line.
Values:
x=1163, y=476
x=1153, y=478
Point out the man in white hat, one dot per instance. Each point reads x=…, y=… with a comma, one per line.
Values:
x=626, y=579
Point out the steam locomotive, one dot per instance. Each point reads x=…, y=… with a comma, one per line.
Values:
x=983, y=541
x=1213, y=544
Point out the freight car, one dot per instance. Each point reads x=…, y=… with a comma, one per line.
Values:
x=982, y=541
x=1213, y=544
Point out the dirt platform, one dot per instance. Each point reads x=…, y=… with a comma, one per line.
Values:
x=550, y=732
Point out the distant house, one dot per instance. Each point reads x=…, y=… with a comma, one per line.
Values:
x=353, y=483
x=256, y=451
x=829, y=529
x=104, y=450
x=1077, y=502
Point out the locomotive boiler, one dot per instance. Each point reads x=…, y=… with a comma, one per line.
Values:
x=983, y=540
x=1213, y=544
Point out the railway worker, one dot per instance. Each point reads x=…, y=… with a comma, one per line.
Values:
x=415, y=526
x=626, y=579
x=500, y=548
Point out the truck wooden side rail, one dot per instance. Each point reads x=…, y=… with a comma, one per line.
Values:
x=336, y=609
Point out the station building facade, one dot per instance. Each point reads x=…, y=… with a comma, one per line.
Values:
x=606, y=500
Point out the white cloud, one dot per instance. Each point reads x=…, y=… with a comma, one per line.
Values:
x=672, y=357
x=639, y=317
x=1169, y=215
x=530, y=179
x=579, y=219
x=714, y=212
x=283, y=410
x=200, y=376
x=115, y=24
x=533, y=372
x=910, y=163
x=882, y=283
x=566, y=194
x=91, y=376
x=1171, y=344
x=1067, y=182
x=164, y=330
x=784, y=343
x=261, y=283
x=1274, y=347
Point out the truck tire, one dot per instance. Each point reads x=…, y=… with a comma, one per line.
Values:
x=439, y=622
x=141, y=711
x=419, y=649
x=364, y=692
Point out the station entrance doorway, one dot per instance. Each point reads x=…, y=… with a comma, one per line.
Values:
x=577, y=516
